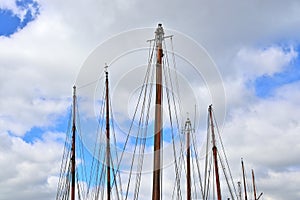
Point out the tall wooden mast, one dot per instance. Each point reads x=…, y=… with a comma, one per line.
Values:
x=107, y=137
x=73, y=162
x=188, y=129
x=253, y=182
x=244, y=179
x=214, y=149
x=159, y=36
x=254, y=188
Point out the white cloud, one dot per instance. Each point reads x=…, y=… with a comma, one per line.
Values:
x=265, y=132
x=29, y=169
x=268, y=61
x=281, y=185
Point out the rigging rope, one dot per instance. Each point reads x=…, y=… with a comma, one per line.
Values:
x=198, y=165
x=226, y=160
x=143, y=91
x=115, y=144
x=172, y=133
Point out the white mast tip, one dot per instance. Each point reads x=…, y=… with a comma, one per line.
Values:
x=106, y=67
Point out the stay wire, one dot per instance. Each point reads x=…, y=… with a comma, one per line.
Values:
x=141, y=142
x=64, y=161
x=194, y=180
x=145, y=132
x=135, y=112
x=174, y=102
x=97, y=148
x=225, y=174
x=115, y=144
x=206, y=156
x=172, y=131
x=146, y=80
x=175, y=69
x=198, y=164
x=81, y=146
x=171, y=83
x=225, y=156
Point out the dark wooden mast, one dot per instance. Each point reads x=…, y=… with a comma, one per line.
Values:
x=254, y=188
x=244, y=179
x=73, y=162
x=159, y=36
x=188, y=128
x=214, y=149
x=107, y=138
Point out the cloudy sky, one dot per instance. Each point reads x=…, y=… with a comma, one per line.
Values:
x=254, y=44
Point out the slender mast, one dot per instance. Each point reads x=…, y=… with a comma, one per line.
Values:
x=239, y=190
x=159, y=36
x=254, y=187
x=107, y=137
x=188, y=127
x=73, y=163
x=214, y=149
x=244, y=179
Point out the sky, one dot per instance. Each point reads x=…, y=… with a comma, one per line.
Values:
x=254, y=44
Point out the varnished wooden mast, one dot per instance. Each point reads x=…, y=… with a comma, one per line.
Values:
x=214, y=149
x=244, y=179
x=159, y=35
x=73, y=162
x=188, y=159
x=254, y=187
x=107, y=138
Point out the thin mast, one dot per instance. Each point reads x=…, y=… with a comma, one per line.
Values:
x=188, y=127
x=214, y=149
x=107, y=137
x=73, y=163
x=159, y=36
x=254, y=187
x=244, y=179
x=239, y=190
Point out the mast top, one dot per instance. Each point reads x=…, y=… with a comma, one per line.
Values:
x=188, y=125
x=74, y=90
x=159, y=34
x=106, y=68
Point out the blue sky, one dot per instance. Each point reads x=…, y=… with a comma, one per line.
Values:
x=11, y=22
x=43, y=45
x=265, y=85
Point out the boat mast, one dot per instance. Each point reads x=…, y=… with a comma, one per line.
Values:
x=254, y=188
x=244, y=179
x=159, y=36
x=73, y=163
x=107, y=137
x=239, y=190
x=188, y=127
x=214, y=149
